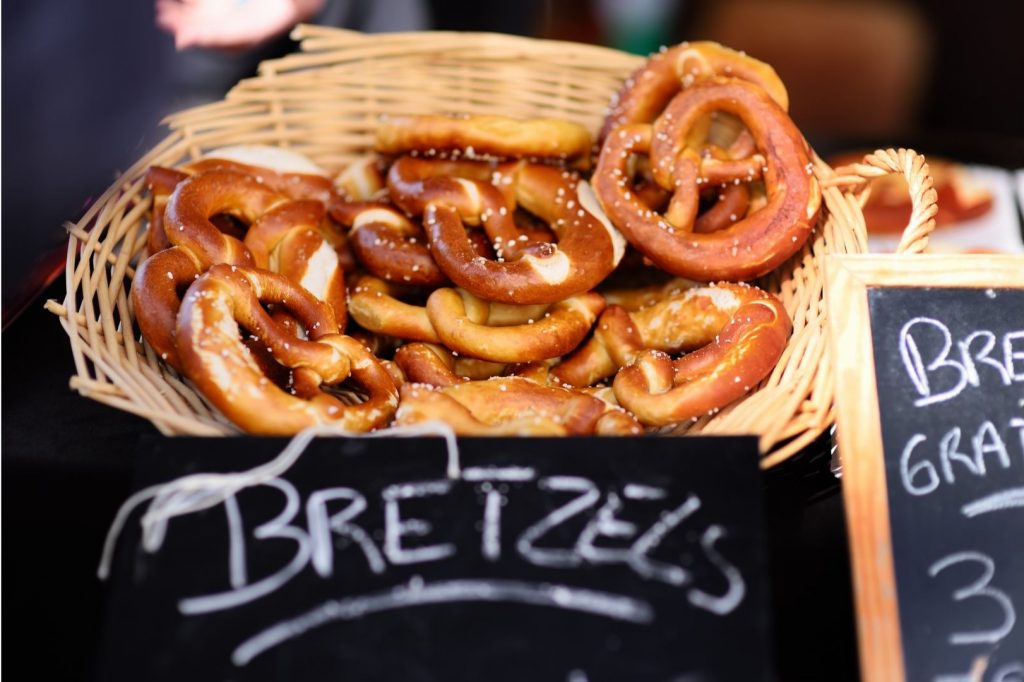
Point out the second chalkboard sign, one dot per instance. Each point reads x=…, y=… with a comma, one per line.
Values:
x=390, y=559
x=930, y=391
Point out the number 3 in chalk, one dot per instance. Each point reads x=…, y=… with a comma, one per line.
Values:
x=979, y=588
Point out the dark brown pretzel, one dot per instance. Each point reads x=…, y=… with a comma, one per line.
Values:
x=749, y=248
x=156, y=293
x=388, y=244
x=587, y=248
x=647, y=92
x=222, y=369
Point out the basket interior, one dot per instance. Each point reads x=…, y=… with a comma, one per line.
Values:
x=325, y=102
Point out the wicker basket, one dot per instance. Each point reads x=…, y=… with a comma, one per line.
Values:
x=325, y=103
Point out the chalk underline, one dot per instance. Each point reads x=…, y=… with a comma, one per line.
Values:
x=606, y=604
x=1006, y=499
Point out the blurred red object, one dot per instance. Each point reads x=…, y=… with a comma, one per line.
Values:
x=888, y=208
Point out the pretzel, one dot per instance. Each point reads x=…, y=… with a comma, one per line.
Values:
x=282, y=170
x=647, y=92
x=375, y=304
x=362, y=180
x=286, y=236
x=735, y=334
x=501, y=406
x=684, y=318
x=466, y=324
x=470, y=326
x=388, y=244
x=588, y=247
x=755, y=244
x=159, y=283
x=475, y=137
x=288, y=240
x=428, y=363
x=223, y=370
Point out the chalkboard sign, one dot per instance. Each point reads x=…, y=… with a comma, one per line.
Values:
x=388, y=559
x=929, y=353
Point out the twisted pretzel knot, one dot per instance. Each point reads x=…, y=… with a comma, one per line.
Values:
x=751, y=246
x=214, y=357
x=588, y=247
x=735, y=334
x=284, y=235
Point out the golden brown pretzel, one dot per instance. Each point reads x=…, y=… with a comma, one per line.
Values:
x=200, y=197
x=496, y=406
x=661, y=391
x=281, y=170
x=421, y=403
x=588, y=247
x=428, y=363
x=159, y=284
x=474, y=137
x=213, y=357
x=686, y=318
x=734, y=333
x=377, y=306
x=466, y=324
x=288, y=240
x=362, y=180
x=647, y=92
x=749, y=248
x=470, y=326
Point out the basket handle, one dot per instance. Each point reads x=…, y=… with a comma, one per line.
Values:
x=923, y=198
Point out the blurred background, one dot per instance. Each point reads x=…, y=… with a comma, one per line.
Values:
x=85, y=85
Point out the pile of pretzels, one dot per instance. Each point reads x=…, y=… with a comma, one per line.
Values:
x=484, y=271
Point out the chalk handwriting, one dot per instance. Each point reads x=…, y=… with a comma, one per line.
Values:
x=979, y=589
x=975, y=455
x=395, y=528
x=608, y=605
x=1006, y=499
x=941, y=376
x=559, y=557
x=277, y=528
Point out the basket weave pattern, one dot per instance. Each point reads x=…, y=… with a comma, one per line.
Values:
x=325, y=102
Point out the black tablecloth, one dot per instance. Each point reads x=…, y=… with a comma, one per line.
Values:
x=67, y=465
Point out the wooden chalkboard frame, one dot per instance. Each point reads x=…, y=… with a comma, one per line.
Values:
x=848, y=279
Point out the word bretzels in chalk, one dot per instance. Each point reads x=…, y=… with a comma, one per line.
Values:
x=476, y=137
x=735, y=334
x=755, y=244
x=228, y=298
x=647, y=92
x=588, y=247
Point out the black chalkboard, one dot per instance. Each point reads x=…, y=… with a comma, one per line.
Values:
x=567, y=560
x=949, y=367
